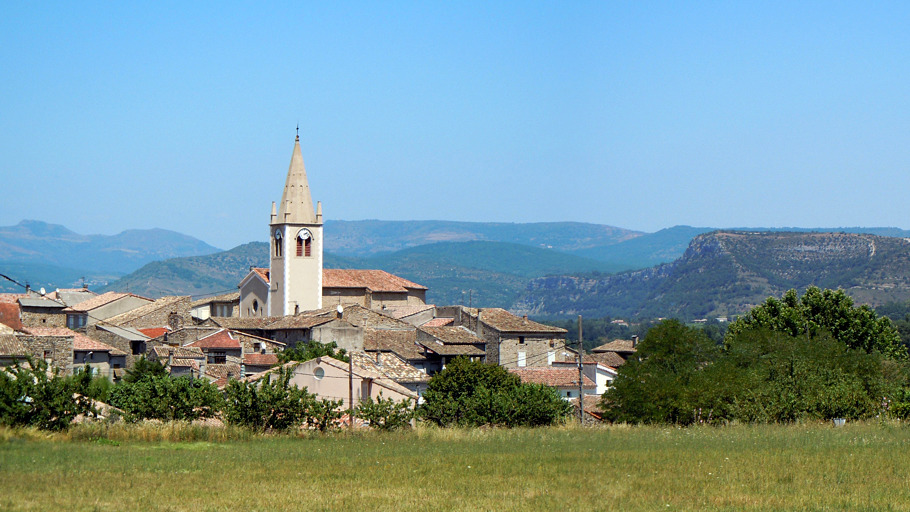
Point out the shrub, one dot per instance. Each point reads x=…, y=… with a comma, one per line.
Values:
x=167, y=399
x=31, y=397
x=385, y=413
x=270, y=403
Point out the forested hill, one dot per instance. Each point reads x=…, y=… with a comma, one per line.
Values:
x=727, y=272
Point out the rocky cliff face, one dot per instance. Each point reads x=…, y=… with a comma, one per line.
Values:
x=727, y=272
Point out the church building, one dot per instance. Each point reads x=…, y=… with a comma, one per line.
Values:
x=296, y=280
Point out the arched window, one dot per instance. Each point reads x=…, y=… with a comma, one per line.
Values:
x=304, y=243
x=277, y=243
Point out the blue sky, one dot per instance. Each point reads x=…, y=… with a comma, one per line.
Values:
x=641, y=115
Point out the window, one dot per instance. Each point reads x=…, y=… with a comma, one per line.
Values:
x=75, y=321
x=319, y=373
x=217, y=357
x=521, y=340
x=304, y=243
x=551, y=357
x=221, y=309
x=522, y=360
x=257, y=346
x=277, y=243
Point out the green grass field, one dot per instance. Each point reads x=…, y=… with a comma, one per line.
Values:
x=801, y=467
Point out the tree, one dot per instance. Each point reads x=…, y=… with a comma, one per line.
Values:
x=29, y=396
x=167, y=399
x=385, y=413
x=824, y=310
x=661, y=383
x=271, y=403
x=144, y=368
x=312, y=350
x=470, y=393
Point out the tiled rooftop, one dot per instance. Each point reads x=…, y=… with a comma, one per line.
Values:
x=96, y=302
x=611, y=359
x=227, y=297
x=10, y=346
x=145, y=309
x=162, y=353
x=260, y=359
x=81, y=342
x=400, y=312
x=503, y=321
x=453, y=335
x=555, y=377
x=619, y=346
x=439, y=322
x=399, y=341
x=389, y=365
x=221, y=339
x=374, y=280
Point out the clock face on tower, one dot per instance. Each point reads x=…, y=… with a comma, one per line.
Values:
x=304, y=234
x=277, y=234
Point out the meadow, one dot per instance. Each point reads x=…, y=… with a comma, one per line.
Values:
x=861, y=466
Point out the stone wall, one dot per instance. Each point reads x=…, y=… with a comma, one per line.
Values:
x=174, y=315
x=42, y=317
x=535, y=348
x=56, y=350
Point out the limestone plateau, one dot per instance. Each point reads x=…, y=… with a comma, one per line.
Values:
x=725, y=273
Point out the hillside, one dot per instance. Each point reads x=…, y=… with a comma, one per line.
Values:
x=725, y=273
x=34, y=245
x=365, y=238
x=480, y=273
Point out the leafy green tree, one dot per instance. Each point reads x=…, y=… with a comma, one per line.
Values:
x=824, y=310
x=144, y=368
x=31, y=397
x=470, y=393
x=271, y=403
x=311, y=350
x=324, y=414
x=661, y=383
x=167, y=399
x=385, y=413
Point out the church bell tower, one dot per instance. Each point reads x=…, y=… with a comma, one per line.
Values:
x=295, y=231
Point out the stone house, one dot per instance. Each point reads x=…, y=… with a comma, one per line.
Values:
x=445, y=343
x=513, y=341
x=616, y=352
x=392, y=367
x=219, y=346
x=41, y=312
x=372, y=289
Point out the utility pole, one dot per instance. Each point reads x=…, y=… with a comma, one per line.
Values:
x=581, y=397
x=351, y=390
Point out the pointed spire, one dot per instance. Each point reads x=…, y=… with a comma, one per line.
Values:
x=296, y=205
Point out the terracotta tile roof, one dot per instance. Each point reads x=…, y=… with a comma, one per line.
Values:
x=154, y=332
x=390, y=366
x=223, y=372
x=619, y=346
x=233, y=322
x=453, y=350
x=399, y=341
x=374, y=280
x=260, y=359
x=10, y=346
x=591, y=405
x=96, y=302
x=365, y=317
x=555, y=377
x=10, y=298
x=162, y=353
x=221, y=339
x=503, y=321
x=439, y=322
x=185, y=363
x=145, y=309
x=400, y=312
x=611, y=359
x=9, y=315
x=263, y=273
x=227, y=297
x=452, y=335
x=81, y=342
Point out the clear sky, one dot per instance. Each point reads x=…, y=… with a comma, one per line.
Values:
x=641, y=115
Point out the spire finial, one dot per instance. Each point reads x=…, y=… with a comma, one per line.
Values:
x=298, y=131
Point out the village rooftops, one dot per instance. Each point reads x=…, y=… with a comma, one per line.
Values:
x=100, y=300
x=439, y=322
x=402, y=342
x=503, y=321
x=163, y=352
x=81, y=342
x=611, y=359
x=260, y=359
x=554, y=377
x=39, y=302
x=400, y=312
x=145, y=309
x=10, y=346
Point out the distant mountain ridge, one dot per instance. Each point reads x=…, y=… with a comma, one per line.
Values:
x=727, y=272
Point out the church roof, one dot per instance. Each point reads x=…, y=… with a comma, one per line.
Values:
x=296, y=204
x=374, y=280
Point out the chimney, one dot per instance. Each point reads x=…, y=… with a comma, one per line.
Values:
x=525, y=317
x=634, y=340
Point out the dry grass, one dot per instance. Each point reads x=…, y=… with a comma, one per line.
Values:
x=802, y=467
